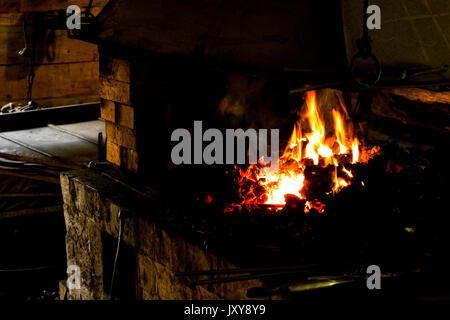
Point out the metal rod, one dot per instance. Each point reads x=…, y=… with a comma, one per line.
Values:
x=116, y=258
x=89, y=6
x=42, y=161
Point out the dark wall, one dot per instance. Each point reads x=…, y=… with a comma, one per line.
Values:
x=261, y=35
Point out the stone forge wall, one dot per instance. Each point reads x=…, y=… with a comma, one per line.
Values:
x=118, y=112
x=91, y=206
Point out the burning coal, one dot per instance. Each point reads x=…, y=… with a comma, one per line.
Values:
x=322, y=139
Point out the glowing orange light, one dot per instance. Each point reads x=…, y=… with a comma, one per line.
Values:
x=333, y=145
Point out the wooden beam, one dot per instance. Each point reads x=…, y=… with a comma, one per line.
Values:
x=51, y=81
x=411, y=113
x=11, y=19
x=61, y=50
x=48, y=5
x=29, y=195
x=423, y=95
x=30, y=176
x=27, y=212
x=253, y=34
x=11, y=6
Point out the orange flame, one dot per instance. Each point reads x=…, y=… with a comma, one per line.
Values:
x=340, y=132
x=325, y=146
x=355, y=151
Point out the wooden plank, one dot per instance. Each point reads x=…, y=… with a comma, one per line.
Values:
x=411, y=113
x=423, y=95
x=9, y=6
x=59, y=49
x=11, y=19
x=66, y=85
x=30, y=176
x=51, y=81
x=48, y=5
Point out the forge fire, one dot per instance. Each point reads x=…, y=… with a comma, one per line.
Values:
x=323, y=143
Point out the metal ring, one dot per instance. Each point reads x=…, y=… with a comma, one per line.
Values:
x=365, y=56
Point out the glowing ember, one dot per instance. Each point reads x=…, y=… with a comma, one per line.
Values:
x=208, y=199
x=284, y=183
x=316, y=146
